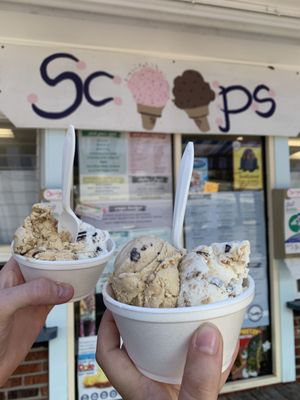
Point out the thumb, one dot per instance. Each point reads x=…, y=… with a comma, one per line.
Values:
x=36, y=292
x=203, y=366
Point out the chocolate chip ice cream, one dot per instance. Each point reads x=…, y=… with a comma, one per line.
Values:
x=39, y=238
x=149, y=272
x=213, y=273
x=146, y=273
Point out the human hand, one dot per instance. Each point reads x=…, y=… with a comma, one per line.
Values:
x=24, y=309
x=202, y=379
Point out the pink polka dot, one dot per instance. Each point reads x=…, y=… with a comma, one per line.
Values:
x=219, y=121
x=216, y=84
x=272, y=93
x=117, y=80
x=81, y=64
x=254, y=106
x=118, y=101
x=32, y=98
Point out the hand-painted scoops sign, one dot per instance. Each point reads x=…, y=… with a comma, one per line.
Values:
x=102, y=90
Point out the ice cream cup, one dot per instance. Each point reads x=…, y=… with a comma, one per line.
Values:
x=82, y=274
x=156, y=339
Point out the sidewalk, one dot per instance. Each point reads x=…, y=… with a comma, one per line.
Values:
x=284, y=391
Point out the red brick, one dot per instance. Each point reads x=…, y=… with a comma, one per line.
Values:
x=26, y=368
x=45, y=366
x=38, y=355
x=12, y=382
x=23, y=393
x=297, y=331
x=297, y=351
x=34, y=379
x=297, y=342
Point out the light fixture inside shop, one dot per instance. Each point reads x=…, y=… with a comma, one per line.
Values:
x=240, y=138
x=6, y=133
x=295, y=156
x=294, y=142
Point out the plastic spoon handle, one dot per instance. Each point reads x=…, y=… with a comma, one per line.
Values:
x=182, y=191
x=67, y=220
x=67, y=168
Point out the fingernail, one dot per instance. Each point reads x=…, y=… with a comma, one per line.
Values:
x=64, y=290
x=207, y=340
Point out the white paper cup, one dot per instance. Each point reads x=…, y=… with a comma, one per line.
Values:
x=156, y=339
x=82, y=274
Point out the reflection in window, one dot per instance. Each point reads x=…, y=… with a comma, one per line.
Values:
x=19, y=180
x=294, y=149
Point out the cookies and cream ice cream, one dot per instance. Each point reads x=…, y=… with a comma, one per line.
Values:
x=213, y=273
x=149, y=272
x=39, y=238
x=146, y=273
x=193, y=95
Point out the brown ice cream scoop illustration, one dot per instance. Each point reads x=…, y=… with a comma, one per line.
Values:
x=193, y=95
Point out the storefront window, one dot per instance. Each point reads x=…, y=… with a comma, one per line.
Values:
x=19, y=178
x=125, y=185
x=227, y=203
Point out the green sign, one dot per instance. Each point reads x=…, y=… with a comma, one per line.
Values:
x=294, y=223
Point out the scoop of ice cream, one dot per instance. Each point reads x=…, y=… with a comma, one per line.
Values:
x=146, y=273
x=149, y=87
x=213, y=273
x=191, y=91
x=39, y=238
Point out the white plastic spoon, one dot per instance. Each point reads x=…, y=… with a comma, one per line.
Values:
x=182, y=191
x=67, y=220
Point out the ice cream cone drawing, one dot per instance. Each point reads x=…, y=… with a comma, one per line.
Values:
x=193, y=95
x=150, y=90
x=149, y=115
x=199, y=115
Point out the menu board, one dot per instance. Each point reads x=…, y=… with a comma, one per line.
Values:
x=229, y=216
x=122, y=166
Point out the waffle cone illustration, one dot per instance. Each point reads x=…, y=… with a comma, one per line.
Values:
x=150, y=91
x=149, y=115
x=199, y=115
x=193, y=95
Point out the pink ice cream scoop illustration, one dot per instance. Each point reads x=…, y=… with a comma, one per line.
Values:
x=193, y=95
x=151, y=91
